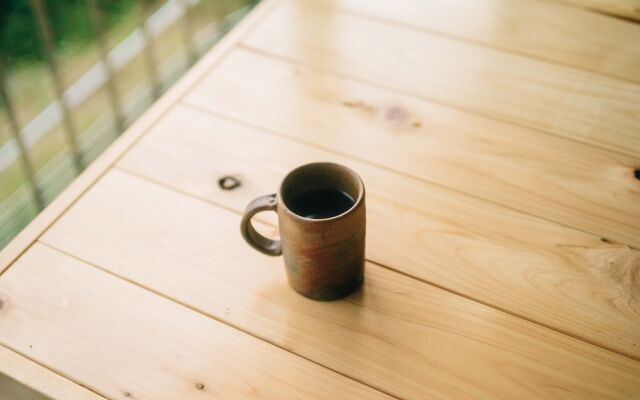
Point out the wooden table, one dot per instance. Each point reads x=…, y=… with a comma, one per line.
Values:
x=498, y=142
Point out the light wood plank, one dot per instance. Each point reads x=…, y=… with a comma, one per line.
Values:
x=540, y=29
x=580, y=105
x=126, y=342
x=557, y=276
x=558, y=179
x=29, y=234
x=406, y=337
x=629, y=9
x=39, y=380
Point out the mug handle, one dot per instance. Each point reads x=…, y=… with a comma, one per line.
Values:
x=257, y=241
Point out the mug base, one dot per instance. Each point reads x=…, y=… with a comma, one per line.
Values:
x=335, y=293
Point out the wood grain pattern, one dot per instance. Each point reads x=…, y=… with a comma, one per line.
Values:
x=126, y=342
x=629, y=9
x=38, y=381
x=555, y=178
x=540, y=29
x=398, y=334
x=405, y=337
x=580, y=105
x=560, y=277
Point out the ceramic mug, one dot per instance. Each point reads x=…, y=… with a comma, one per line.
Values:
x=322, y=222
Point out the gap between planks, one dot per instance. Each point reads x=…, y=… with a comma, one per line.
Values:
x=201, y=312
x=562, y=100
x=381, y=166
x=47, y=382
x=390, y=268
x=431, y=31
x=364, y=81
x=602, y=10
x=162, y=108
x=53, y=370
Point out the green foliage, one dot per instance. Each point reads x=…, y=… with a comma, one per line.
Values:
x=69, y=20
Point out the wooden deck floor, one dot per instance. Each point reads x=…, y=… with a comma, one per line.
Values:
x=499, y=142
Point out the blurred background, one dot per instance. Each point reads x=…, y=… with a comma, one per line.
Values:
x=75, y=73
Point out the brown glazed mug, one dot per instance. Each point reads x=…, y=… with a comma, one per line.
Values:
x=322, y=221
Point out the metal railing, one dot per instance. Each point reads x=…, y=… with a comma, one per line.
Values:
x=82, y=144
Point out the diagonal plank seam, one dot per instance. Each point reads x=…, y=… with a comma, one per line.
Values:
x=204, y=313
x=270, y=131
x=596, y=10
x=454, y=106
x=59, y=373
x=390, y=268
x=409, y=26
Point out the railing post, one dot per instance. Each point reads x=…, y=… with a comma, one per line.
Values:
x=17, y=137
x=149, y=53
x=187, y=28
x=46, y=39
x=96, y=15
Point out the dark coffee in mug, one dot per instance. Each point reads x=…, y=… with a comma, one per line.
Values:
x=321, y=203
x=322, y=223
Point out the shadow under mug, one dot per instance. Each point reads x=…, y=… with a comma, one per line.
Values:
x=324, y=257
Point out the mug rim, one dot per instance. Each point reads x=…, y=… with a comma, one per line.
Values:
x=352, y=173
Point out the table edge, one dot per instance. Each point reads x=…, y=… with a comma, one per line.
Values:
x=19, y=367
